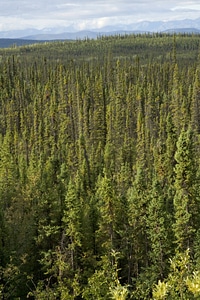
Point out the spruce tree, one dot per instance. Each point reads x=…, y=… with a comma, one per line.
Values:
x=157, y=221
x=186, y=202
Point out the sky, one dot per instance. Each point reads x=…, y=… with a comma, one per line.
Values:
x=88, y=14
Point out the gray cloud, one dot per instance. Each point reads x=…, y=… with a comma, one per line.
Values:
x=87, y=13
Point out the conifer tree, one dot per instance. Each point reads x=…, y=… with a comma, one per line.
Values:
x=137, y=216
x=176, y=100
x=108, y=213
x=186, y=205
x=195, y=104
x=157, y=223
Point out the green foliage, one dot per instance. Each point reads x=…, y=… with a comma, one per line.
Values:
x=106, y=276
x=181, y=283
x=119, y=293
x=193, y=284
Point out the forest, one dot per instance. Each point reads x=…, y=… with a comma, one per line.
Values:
x=100, y=169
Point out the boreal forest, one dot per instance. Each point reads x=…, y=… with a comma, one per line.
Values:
x=100, y=169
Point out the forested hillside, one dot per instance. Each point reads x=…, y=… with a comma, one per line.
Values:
x=100, y=169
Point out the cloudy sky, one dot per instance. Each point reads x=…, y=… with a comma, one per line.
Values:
x=85, y=14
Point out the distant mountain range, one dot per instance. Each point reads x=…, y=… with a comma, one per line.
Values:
x=27, y=36
x=79, y=35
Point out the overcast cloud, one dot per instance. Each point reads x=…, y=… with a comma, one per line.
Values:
x=85, y=14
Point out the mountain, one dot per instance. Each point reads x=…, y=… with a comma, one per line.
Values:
x=156, y=26
x=63, y=36
x=72, y=33
x=94, y=35
x=78, y=35
x=41, y=38
x=15, y=34
x=182, y=30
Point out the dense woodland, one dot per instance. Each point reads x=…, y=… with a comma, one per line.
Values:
x=100, y=169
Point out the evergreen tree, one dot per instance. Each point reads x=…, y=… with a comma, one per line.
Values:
x=157, y=223
x=186, y=203
x=195, y=104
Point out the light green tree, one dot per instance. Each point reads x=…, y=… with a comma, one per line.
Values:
x=181, y=282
